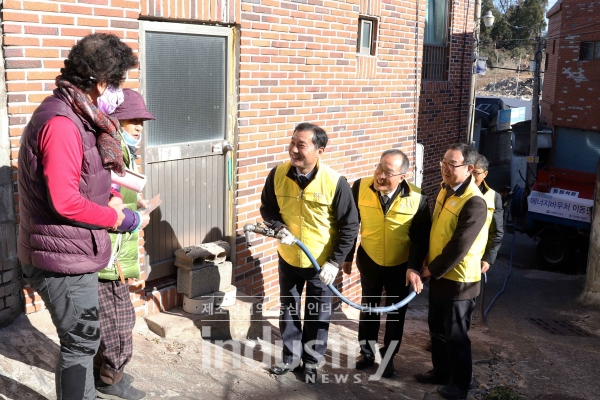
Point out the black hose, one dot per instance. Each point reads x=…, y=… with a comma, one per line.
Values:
x=512, y=252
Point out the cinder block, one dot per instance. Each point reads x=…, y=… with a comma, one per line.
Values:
x=243, y=320
x=211, y=278
x=194, y=257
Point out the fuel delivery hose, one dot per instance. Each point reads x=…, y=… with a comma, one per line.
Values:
x=375, y=310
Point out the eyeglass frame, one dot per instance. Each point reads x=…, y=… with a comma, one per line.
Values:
x=379, y=170
x=442, y=163
x=477, y=173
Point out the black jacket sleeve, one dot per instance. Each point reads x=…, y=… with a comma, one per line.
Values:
x=496, y=232
x=269, y=208
x=419, y=235
x=346, y=215
x=470, y=222
x=355, y=191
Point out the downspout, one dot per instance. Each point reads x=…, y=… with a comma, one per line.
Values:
x=416, y=96
x=462, y=70
x=471, y=111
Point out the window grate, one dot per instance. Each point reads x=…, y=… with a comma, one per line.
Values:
x=185, y=87
x=435, y=61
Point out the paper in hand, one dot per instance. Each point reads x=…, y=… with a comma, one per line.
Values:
x=153, y=203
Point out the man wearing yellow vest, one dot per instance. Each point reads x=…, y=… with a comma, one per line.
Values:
x=395, y=224
x=457, y=243
x=495, y=211
x=307, y=199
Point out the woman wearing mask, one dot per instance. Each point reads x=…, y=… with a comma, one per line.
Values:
x=67, y=151
x=117, y=315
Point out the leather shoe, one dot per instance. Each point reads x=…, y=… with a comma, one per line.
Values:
x=431, y=377
x=310, y=373
x=282, y=370
x=451, y=392
x=365, y=360
x=389, y=369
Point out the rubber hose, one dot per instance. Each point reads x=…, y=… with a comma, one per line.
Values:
x=512, y=252
x=375, y=310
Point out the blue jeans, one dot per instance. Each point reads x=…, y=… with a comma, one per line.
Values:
x=72, y=301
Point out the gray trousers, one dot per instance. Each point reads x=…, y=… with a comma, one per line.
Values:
x=72, y=301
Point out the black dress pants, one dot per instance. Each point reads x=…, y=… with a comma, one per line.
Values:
x=449, y=324
x=308, y=342
x=374, y=278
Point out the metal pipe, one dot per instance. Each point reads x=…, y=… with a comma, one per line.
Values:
x=471, y=111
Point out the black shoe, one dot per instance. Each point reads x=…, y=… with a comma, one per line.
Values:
x=389, y=370
x=431, y=377
x=284, y=369
x=119, y=391
x=451, y=392
x=310, y=373
x=365, y=360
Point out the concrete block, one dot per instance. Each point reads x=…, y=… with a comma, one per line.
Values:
x=211, y=278
x=243, y=320
x=194, y=257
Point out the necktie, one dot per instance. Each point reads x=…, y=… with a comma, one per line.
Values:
x=303, y=180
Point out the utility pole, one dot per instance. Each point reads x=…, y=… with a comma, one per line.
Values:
x=533, y=159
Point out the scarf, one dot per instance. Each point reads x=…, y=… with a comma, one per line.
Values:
x=106, y=127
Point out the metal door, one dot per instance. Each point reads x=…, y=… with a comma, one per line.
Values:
x=577, y=149
x=186, y=81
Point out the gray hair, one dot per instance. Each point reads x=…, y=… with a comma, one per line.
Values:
x=403, y=158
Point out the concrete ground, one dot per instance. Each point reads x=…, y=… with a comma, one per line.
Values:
x=510, y=350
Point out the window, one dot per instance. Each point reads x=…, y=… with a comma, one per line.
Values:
x=367, y=35
x=435, y=48
x=589, y=51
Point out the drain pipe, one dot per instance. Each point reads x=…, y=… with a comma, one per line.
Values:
x=266, y=231
x=416, y=97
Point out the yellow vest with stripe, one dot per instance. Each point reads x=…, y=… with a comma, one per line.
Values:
x=445, y=219
x=490, y=202
x=385, y=238
x=308, y=214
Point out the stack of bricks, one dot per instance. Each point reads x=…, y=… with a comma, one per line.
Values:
x=444, y=104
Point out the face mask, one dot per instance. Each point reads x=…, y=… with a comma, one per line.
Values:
x=129, y=140
x=110, y=100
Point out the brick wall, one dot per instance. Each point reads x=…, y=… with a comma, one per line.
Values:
x=444, y=104
x=571, y=86
x=298, y=63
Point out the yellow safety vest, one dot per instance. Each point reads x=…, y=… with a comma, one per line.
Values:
x=385, y=238
x=308, y=214
x=445, y=219
x=490, y=201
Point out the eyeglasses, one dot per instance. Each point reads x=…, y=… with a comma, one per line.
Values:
x=477, y=173
x=450, y=166
x=380, y=170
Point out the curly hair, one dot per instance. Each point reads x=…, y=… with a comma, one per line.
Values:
x=98, y=57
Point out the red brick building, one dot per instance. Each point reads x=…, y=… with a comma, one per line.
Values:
x=243, y=73
x=444, y=94
x=570, y=99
